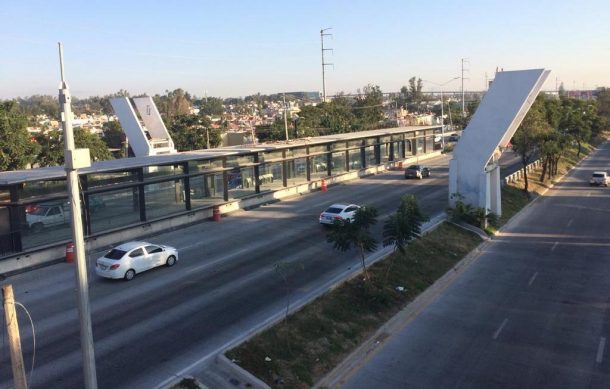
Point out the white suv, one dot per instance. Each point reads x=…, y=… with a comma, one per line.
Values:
x=599, y=178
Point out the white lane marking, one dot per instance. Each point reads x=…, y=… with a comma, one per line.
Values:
x=497, y=333
x=532, y=279
x=570, y=222
x=600, y=350
x=554, y=246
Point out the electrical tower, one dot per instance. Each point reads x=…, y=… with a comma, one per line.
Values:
x=324, y=64
x=464, y=60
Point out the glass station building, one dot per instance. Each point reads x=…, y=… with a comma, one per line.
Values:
x=123, y=193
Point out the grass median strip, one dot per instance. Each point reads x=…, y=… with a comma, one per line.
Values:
x=301, y=349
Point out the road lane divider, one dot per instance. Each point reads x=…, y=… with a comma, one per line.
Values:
x=497, y=333
x=532, y=279
x=600, y=350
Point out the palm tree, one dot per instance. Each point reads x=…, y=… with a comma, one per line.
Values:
x=403, y=226
x=346, y=234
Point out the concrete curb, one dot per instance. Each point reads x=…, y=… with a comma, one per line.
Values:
x=248, y=379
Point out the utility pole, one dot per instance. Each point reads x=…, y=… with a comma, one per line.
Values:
x=324, y=64
x=14, y=340
x=285, y=117
x=76, y=159
x=464, y=60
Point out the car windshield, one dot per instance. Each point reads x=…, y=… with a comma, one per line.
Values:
x=599, y=175
x=115, y=254
x=413, y=167
x=334, y=210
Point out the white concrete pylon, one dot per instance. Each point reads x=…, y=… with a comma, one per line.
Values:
x=474, y=176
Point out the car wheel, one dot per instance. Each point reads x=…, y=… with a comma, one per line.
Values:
x=171, y=261
x=129, y=274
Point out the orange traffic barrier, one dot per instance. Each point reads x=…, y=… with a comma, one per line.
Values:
x=216, y=213
x=400, y=165
x=70, y=252
x=323, y=186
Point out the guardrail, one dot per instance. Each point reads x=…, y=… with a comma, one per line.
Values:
x=516, y=176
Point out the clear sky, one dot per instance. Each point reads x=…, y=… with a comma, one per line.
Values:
x=231, y=48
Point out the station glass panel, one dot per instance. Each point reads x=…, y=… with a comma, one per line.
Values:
x=201, y=166
x=296, y=152
x=409, y=147
x=355, y=159
x=240, y=160
x=6, y=238
x=369, y=155
x=319, y=166
x=354, y=143
x=420, y=145
x=206, y=190
x=108, y=179
x=164, y=198
x=34, y=189
x=339, y=146
x=296, y=171
x=271, y=156
x=114, y=209
x=241, y=182
x=385, y=152
x=338, y=163
x=151, y=172
x=429, y=143
x=270, y=176
x=318, y=149
x=5, y=196
x=44, y=222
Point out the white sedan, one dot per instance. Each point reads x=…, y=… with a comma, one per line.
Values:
x=129, y=259
x=338, y=212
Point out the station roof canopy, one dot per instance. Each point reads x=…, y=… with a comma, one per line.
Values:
x=58, y=172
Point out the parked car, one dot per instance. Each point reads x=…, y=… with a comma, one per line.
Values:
x=599, y=179
x=46, y=215
x=454, y=138
x=417, y=171
x=129, y=259
x=338, y=212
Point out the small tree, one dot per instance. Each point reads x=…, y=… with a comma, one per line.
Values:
x=346, y=234
x=284, y=269
x=404, y=225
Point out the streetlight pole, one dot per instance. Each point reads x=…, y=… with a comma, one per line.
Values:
x=75, y=159
x=324, y=64
x=285, y=118
x=442, y=108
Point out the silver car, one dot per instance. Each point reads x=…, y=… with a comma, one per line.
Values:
x=129, y=259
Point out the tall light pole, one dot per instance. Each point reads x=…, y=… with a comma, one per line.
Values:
x=76, y=159
x=463, y=109
x=324, y=64
x=285, y=118
x=442, y=108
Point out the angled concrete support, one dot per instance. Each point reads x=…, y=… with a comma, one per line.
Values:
x=152, y=138
x=473, y=172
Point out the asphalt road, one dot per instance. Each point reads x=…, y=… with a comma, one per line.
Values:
x=533, y=311
x=150, y=328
